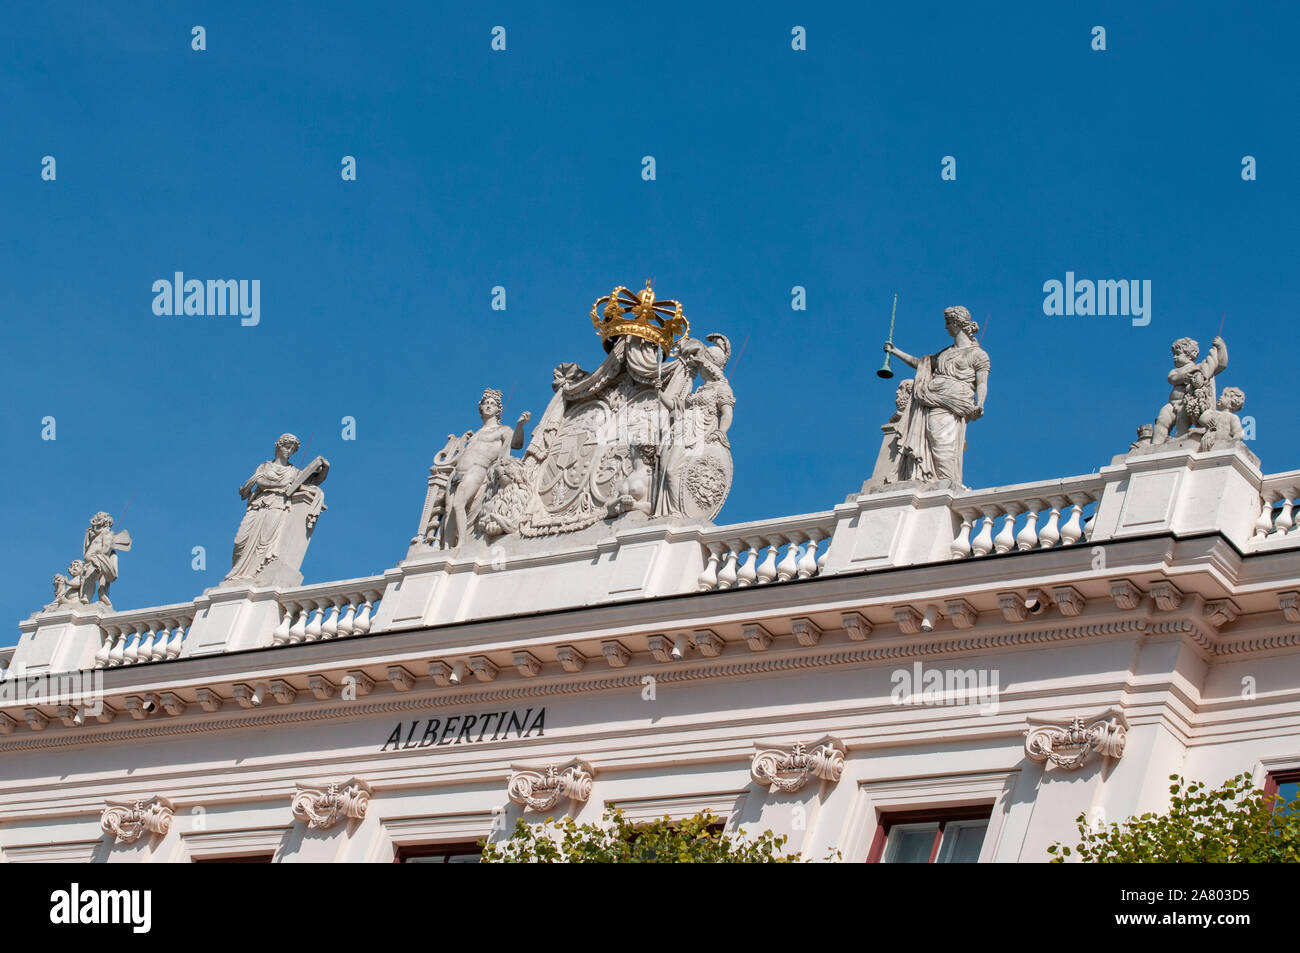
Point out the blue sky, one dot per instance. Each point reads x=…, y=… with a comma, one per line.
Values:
x=522, y=168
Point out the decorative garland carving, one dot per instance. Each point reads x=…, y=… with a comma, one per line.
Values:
x=788, y=772
x=541, y=791
x=1070, y=747
x=321, y=810
x=129, y=822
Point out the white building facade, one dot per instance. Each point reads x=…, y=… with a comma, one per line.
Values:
x=923, y=672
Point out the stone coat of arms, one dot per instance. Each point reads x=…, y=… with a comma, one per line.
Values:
x=635, y=435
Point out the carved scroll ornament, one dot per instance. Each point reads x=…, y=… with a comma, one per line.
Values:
x=129, y=822
x=321, y=810
x=789, y=771
x=1070, y=747
x=542, y=791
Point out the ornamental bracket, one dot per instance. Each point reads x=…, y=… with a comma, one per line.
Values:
x=789, y=770
x=1069, y=747
x=542, y=789
x=128, y=821
x=322, y=809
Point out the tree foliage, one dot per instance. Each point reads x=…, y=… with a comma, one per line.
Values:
x=616, y=840
x=1233, y=823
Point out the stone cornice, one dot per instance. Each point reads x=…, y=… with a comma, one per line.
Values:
x=556, y=684
x=1187, y=616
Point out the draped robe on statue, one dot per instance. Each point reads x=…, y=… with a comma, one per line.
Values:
x=943, y=398
x=263, y=523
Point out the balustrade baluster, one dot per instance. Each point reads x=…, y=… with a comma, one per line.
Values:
x=767, y=568
x=808, y=559
x=312, y=632
x=1264, y=524
x=281, y=634
x=106, y=646
x=1006, y=537
x=362, y=623
x=117, y=655
x=982, y=544
x=727, y=574
x=178, y=638
x=349, y=617
x=747, y=574
x=1027, y=538
x=1285, y=520
x=160, y=643
x=298, y=631
x=146, y=647
x=329, y=629
x=960, y=547
x=1072, y=531
x=1050, y=534
x=708, y=579
x=788, y=567
x=132, y=653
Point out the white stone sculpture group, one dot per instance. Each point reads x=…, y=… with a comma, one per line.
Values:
x=91, y=575
x=637, y=438
x=1193, y=417
x=631, y=437
x=924, y=440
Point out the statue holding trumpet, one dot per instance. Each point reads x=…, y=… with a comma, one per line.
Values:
x=948, y=392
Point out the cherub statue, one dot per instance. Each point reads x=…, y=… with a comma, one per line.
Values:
x=635, y=490
x=1222, y=425
x=67, y=589
x=100, y=549
x=1192, y=391
x=490, y=444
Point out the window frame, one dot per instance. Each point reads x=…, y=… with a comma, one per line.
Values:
x=887, y=820
x=261, y=857
x=403, y=852
x=1274, y=780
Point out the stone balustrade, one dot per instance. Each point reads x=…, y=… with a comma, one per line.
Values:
x=1179, y=491
x=1279, y=516
x=753, y=554
x=146, y=635
x=1024, y=517
x=327, y=611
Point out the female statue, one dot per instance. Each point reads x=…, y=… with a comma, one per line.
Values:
x=949, y=392
x=270, y=492
x=695, y=459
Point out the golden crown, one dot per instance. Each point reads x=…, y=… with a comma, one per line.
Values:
x=659, y=321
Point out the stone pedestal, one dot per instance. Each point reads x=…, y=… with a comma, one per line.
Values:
x=61, y=640
x=234, y=618
x=892, y=528
x=1180, y=490
x=640, y=558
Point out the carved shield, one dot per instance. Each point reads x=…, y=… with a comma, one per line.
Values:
x=589, y=457
x=706, y=480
